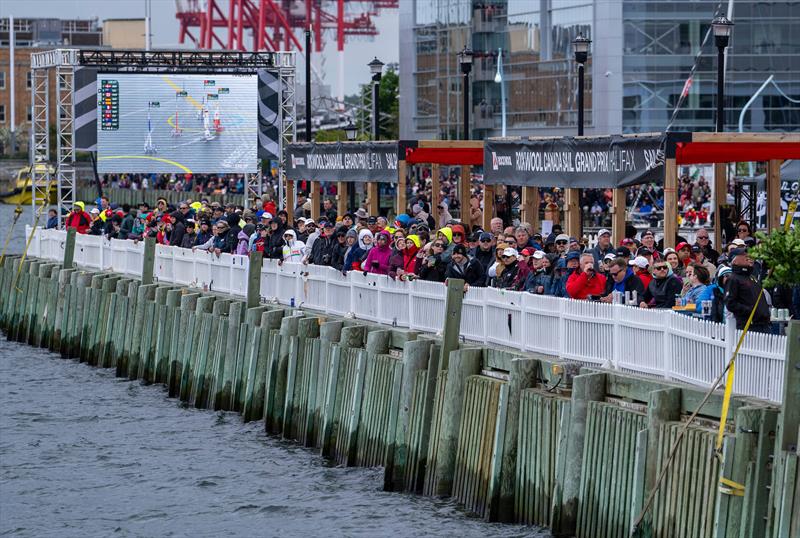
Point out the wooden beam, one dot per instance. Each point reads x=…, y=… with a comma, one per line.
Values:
x=290, y=200
x=341, y=198
x=465, y=190
x=488, y=206
x=618, y=212
x=314, y=196
x=746, y=137
x=774, y=194
x=435, y=189
x=402, y=181
x=720, y=200
x=573, y=212
x=530, y=207
x=373, y=198
x=670, y=202
x=448, y=144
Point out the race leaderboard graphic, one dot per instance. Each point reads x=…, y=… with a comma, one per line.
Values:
x=177, y=123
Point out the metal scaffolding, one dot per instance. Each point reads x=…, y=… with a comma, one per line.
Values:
x=65, y=147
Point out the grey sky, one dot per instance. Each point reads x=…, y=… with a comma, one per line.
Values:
x=165, y=31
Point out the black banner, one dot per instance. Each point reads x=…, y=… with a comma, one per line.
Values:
x=602, y=162
x=342, y=161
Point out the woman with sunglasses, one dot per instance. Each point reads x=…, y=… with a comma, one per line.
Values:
x=396, y=260
x=663, y=288
x=432, y=267
x=743, y=230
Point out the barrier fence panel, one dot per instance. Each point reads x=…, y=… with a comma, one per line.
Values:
x=652, y=342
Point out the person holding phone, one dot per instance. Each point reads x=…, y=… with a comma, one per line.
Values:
x=585, y=281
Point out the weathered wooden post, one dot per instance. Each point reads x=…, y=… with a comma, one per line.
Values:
x=149, y=260
x=254, y=279
x=452, y=320
x=69, y=249
x=585, y=388
x=465, y=363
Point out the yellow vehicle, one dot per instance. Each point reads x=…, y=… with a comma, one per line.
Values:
x=20, y=192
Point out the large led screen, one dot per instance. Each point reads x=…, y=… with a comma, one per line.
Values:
x=151, y=123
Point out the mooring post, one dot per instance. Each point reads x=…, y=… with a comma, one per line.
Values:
x=585, y=388
x=523, y=375
x=465, y=362
x=789, y=420
x=149, y=260
x=452, y=320
x=254, y=279
x=69, y=249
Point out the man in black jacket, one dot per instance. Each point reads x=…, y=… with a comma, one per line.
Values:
x=321, y=251
x=622, y=278
x=484, y=252
x=742, y=291
x=468, y=269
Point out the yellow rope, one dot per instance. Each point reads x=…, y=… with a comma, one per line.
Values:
x=673, y=450
x=17, y=213
x=30, y=237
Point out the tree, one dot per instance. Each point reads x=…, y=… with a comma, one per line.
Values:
x=780, y=250
x=388, y=106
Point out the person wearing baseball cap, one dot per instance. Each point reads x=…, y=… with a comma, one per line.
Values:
x=602, y=247
x=484, y=252
x=624, y=279
x=684, y=251
x=514, y=272
x=743, y=294
x=584, y=282
x=562, y=244
x=641, y=268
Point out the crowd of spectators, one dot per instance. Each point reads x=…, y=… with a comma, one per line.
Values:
x=411, y=246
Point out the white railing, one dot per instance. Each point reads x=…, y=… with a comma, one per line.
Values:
x=652, y=342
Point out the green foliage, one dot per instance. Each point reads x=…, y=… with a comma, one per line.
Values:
x=781, y=252
x=388, y=106
x=335, y=135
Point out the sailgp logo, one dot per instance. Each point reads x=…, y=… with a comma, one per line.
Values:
x=297, y=161
x=498, y=161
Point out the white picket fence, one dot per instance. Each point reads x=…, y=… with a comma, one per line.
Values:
x=653, y=342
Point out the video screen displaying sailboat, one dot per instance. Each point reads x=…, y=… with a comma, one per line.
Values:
x=171, y=123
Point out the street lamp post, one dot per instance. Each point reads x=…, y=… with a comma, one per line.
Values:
x=581, y=46
x=722, y=32
x=376, y=69
x=498, y=78
x=350, y=131
x=465, y=61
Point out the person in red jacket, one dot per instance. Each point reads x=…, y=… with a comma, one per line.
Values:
x=79, y=219
x=585, y=281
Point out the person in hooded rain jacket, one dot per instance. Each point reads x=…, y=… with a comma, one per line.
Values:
x=243, y=240
x=378, y=257
x=78, y=218
x=446, y=234
x=354, y=254
x=397, y=259
x=293, y=248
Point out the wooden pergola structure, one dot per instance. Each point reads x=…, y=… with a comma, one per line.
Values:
x=721, y=149
x=674, y=149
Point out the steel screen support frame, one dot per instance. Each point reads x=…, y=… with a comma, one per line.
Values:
x=40, y=139
x=65, y=141
x=287, y=114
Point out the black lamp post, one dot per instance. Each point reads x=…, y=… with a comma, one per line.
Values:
x=376, y=68
x=350, y=131
x=722, y=33
x=581, y=46
x=465, y=61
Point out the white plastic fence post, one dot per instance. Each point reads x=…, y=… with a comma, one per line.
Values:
x=616, y=338
x=561, y=328
x=668, y=367
x=730, y=337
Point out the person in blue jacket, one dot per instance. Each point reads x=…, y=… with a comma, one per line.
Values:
x=700, y=290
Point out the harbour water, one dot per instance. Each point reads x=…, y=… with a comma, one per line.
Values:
x=83, y=453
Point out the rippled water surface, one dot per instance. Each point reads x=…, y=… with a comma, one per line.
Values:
x=83, y=453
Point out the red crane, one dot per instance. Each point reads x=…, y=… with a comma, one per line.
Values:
x=271, y=24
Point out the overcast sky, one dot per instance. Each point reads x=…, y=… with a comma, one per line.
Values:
x=165, y=31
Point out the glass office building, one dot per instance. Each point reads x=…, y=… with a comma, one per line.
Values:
x=642, y=53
